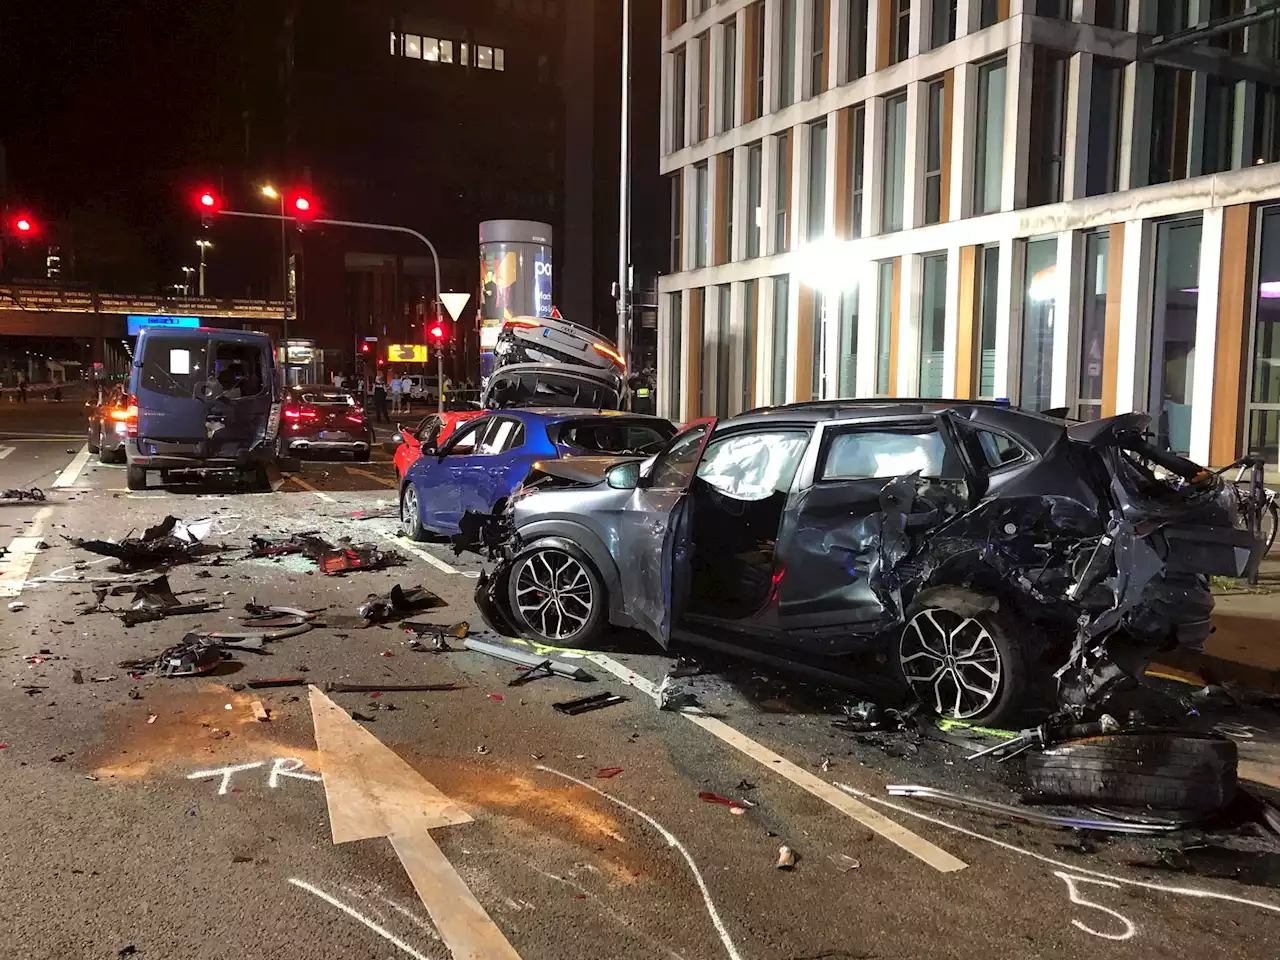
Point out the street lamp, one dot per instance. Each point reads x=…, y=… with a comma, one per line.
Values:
x=186, y=286
x=271, y=193
x=203, y=245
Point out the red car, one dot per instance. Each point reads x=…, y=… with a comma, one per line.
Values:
x=428, y=435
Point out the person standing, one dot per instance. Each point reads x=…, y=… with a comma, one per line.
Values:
x=22, y=389
x=393, y=387
x=380, y=401
x=406, y=393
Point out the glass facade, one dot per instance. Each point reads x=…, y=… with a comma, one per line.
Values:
x=895, y=163
x=723, y=343
x=679, y=69
x=817, y=47
x=750, y=307
x=673, y=378
x=1105, y=100
x=884, y=327
x=1175, y=302
x=934, y=105
x=786, y=53
x=698, y=334
x=706, y=368
x=1264, y=376
x=818, y=345
x=942, y=23
x=990, y=139
x=817, y=221
x=701, y=216
x=855, y=38
x=1048, y=126
x=779, y=353
x=1093, y=324
x=984, y=373
x=782, y=195
x=755, y=208
x=848, y=373
x=728, y=67
x=933, y=324
x=1039, y=298
x=857, y=173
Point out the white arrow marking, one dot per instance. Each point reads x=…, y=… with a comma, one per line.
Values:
x=69, y=476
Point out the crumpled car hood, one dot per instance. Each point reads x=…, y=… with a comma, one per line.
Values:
x=585, y=470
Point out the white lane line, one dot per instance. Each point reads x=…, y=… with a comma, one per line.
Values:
x=673, y=842
x=5, y=451
x=22, y=554
x=69, y=476
x=306, y=486
x=40, y=438
x=353, y=914
x=421, y=554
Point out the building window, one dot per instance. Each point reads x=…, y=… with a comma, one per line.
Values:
x=1040, y=289
x=787, y=53
x=678, y=73
x=722, y=382
x=895, y=163
x=942, y=23
x=855, y=38
x=990, y=137
x=1111, y=13
x=728, y=66
x=1102, y=174
x=933, y=323
x=778, y=372
x=499, y=59
x=1055, y=9
x=698, y=324
x=1171, y=16
x=395, y=44
x=1264, y=382
x=676, y=353
x=1175, y=303
x=703, y=86
x=935, y=104
x=817, y=347
x=988, y=293
x=1048, y=126
x=1264, y=138
x=818, y=47
x=484, y=57
x=675, y=184
x=464, y=54
x=413, y=46
x=884, y=327
x=1093, y=324
x=726, y=217
x=857, y=164
x=748, y=399
x=782, y=195
x=1219, y=123
x=817, y=221
x=1170, y=115
x=988, y=13
x=755, y=207
x=899, y=31
x=446, y=54
x=847, y=382
x=701, y=215
x=754, y=80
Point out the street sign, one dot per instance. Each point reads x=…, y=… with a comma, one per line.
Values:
x=455, y=303
x=407, y=353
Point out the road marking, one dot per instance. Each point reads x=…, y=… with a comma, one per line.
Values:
x=306, y=486
x=1078, y=898
x=72, y=472
x=22, y=554
x=40, y=437
x=385, y=481
x=353, y=914
x=372, y=792
x=225, y=773
x=421, y=554
x=5, y=451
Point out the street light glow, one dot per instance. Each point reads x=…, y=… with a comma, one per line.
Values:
x=204, y=243
x=270, y=192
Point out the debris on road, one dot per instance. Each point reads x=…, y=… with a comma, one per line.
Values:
x=786, y=858
x=398, y=603
x=606, y=773
x=349, y=559
x=844, y=863
x=169, y=542
x=501, y=652
x=194, y=656
x=588, y=703
x=17, y=605
x=155, y=600
x=1025, y=815
x=391, y=687
x=259, y=711
x=734, y=807
x=276, y=682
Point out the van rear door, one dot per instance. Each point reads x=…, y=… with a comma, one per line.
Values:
x=238, y=394
x=171, y=374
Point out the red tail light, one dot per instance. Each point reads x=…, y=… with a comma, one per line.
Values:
x=130, y=416
x=299, y=413
x=356, y=419
x=613, y=355
x=522, y=322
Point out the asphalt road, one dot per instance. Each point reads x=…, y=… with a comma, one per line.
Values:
x=119, y=831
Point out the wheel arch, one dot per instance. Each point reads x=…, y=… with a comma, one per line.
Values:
x=579, y=539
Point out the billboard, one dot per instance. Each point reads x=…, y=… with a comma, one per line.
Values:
x=407, y=353
x=515, y=278
x=138, y=321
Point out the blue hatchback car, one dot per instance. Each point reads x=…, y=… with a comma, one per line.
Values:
x=485, y=460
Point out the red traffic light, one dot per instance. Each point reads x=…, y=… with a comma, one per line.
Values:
x=208, y=201
x=437, y=332
x=303, y=207
x=364, y=348
x=23, y=225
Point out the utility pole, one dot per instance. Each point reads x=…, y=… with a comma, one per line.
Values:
x=203, y=245
x=624, y=194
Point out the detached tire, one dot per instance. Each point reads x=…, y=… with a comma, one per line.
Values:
x=1161, y=771
x=136, y=478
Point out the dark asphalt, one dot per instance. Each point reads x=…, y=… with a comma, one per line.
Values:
x=107, y=842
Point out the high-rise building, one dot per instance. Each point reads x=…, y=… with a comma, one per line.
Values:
x=1063, y=204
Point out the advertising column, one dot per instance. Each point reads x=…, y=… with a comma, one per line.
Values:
x=515, y=278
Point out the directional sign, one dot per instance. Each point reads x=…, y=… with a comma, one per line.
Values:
x=455, y=303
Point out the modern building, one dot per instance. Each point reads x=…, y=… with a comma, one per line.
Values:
x=1065, y=203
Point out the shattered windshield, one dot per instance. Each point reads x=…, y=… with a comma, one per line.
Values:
x=863, y=454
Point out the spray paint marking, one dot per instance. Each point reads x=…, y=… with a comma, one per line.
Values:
x=280, y=767
x=355, y=915
x=1076, y=897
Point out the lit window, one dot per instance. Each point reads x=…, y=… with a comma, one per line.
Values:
x=446, y=51
x=431, y=49
x=484, y=57
x=463, y=54
x=413, y=46
x=395, y=43
x=499, y=58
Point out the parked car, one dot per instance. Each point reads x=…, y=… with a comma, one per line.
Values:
x=109, y=423
x=485, y=459
x=324, y=419
x=427, y=436
x=206, y=399
x=981, y=551
x=552, y=384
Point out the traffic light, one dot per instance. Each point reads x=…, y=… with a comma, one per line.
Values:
x=437, y=332
x=303, y=208
x=208, y=203
x=365, y=348
x=23, y=226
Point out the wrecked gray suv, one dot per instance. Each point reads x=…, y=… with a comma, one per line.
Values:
x=981, y=550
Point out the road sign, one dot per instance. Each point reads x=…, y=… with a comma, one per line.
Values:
x=455, y=303
x=407, y=353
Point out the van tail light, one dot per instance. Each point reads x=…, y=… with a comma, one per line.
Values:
x=613, y=355
x=130, y=416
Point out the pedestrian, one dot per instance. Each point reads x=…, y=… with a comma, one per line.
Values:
x=406, y=393
x=380, y=401
x=22, y=389
x=394, y=389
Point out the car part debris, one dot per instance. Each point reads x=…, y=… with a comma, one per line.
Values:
x=192, y=657
x=786, y=858
x=310, y=545
x=155, y=600
x=391, y=687
x=259, y=711
x=1046, y=734
x=458, y=631
x=843, y=862
x=1157, y=769
x=607, y=773
x=501, y=652
x=34, y=494
x=16, y=605
x=707, y=797
x=532, y=673
x=169, y=542
x=398, y=603
x=350, y=559
x=585, y=704
x=1025, y=815
x=276, y=682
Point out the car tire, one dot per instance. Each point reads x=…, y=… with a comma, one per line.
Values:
x=1160, y=770
x=575, y=619
x=991, y=663
x=363, y=456
x=136, y=479
x=119, y=456
x=94, y=448
x=411, y=514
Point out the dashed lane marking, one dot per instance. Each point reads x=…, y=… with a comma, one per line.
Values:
x=22, y=554
x=421, y=554
x=5, y=451
x=306, y=486
x=69, y=476
x=385, y=481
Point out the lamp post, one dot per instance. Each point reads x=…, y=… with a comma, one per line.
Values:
x=186, y=282
x=203, y=245
x=271, y=193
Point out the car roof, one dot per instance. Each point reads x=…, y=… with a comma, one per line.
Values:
x=176, y=333
x=560, y=414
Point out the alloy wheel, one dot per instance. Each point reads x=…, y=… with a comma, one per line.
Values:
x=554, y=594
x=409, y=517
x=952, y=662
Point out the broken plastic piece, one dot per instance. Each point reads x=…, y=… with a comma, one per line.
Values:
x=786, y=858
x=558, y=667
x=585, y=704
x=170, y=541
x=259, y=711
x=398, y=603
x=606, y=773
x=192, y=657
x=707, y=797
x=843, y=862
x=350, y=559
x=34, y=494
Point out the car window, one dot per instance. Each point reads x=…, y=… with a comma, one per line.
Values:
x=173, y=366
x=999, y=450
x=498, y=436
x=427, y=430
x=753, y=466
x=614, y=436
x=673, y=469
x=859, y=454
x=463, y=442
x=321, y=397
x=238, y=369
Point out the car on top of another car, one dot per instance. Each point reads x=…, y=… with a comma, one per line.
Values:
x=427, y=436
x=485, y=459
x=317, y=418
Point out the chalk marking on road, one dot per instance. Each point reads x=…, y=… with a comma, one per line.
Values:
x=421, y=554
x=385, y=481
x=668, y=836
x=69, y=476
x=22, y=554
x=355, y=915
x=1194, y=892
x=5, y=451
x=306, y=486
x=289, y=767
x=1078, y=898
x=225, y=773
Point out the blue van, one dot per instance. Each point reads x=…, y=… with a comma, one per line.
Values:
x=205, y=399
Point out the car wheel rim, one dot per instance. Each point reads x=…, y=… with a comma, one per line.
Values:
x=409, y=515
x=554, y=594
x=951, y=662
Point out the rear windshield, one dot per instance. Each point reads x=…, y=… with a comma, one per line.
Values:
x=548, y=390
x=239, y=369
x=615, y=436
x=336, y=397
x=174, y=366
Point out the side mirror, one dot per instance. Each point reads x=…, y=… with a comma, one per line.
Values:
x=397, y=438
x=625, y=476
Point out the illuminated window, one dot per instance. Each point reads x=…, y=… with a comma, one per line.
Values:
x=464, y=54
x=446, y=51
x=413, y=46
x=395, y=43
x=499, y=59
x=484, y=57
x=431, y=49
